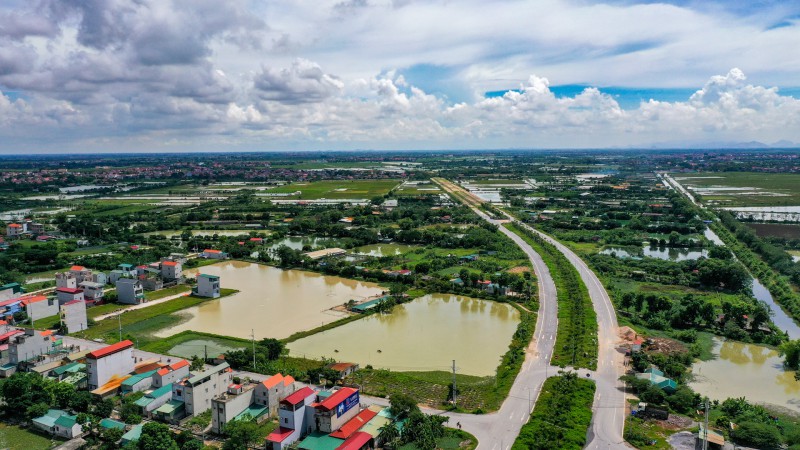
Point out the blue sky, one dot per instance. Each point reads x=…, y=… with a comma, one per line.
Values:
x=182, y=75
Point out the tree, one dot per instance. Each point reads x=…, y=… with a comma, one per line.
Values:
x=791, y=354
x=273, y=347
x=241, y=434
x=402, y=406
x=23, y=390
x=111, y=435
x=197, y=363
x=37, y=410
x=103, y=408
x=156, y=436
x=388, y=435
x=757, y=435
x=63, y=394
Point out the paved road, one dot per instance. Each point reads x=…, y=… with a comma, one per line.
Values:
x=608, y=418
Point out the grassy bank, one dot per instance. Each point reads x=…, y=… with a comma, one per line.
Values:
x=576, y=341
x=141, y=323
x=14, y=437
x=561, y=417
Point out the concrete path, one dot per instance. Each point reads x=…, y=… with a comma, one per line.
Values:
x=141, y=305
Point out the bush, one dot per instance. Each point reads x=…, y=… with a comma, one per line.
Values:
x=758, y=435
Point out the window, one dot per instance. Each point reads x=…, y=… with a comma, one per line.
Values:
x=285, y=420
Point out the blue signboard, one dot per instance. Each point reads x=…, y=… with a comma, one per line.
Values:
x=347, y=404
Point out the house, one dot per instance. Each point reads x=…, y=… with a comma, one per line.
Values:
x=213, y=254
x=154, y=400
x=346, y=220
x=269, y=392
x=236, y=403
x=196, y=392
x=657, y=378
x=139, y=382
x=295, y=419
x=132, y=435
x=358, y=441
x=207, y=286
x=100, y=277
x=113, y=360
x=33, y=227
x=130, y=291
x=343, y=368
x=151, y=279
x=39, y=306
x=11, y=290
x=355, y=424
x=92, y=292
x=171, y=373
x=389, y=204
x=27, y=346
x=66, y=280
x=81, y=273
x=73, y=316
x=14, y=230
x=171, y=270
x=66, y=370
x=66, y=295
x=336, y=410
x=59, y=423
x=108, y=424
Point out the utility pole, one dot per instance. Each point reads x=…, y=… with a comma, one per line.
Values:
x=253, y=336
x=705, y=431
x=454, y=384
x=205, y=351
x=119, y=322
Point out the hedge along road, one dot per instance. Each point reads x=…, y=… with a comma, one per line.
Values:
x=608, y=418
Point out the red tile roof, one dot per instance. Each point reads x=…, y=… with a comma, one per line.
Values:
x=69, y=290
x=77, y=268
x=33, y=299
x=110, y=350
x=169, y=263
x=162, y=372
x=354, y=424
x=208, y=250
x=341, y=366
x=15, y=225
x=256, y=239
x=5, y=337
x=280, y=434
x=356, y=441
x=298, y=396
x=72, y=302
x=338, y=397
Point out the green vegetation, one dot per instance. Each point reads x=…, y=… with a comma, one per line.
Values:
x=561, y=417
x=576, y=341
x=164, y=345
x=334, y=189
x=14, y=437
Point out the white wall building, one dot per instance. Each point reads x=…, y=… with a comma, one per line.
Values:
x=130, y=291
x=29, y=345
x=196, y=392
x=73, y=316
x=66, y=280
x=102, y=364
x=207, y=286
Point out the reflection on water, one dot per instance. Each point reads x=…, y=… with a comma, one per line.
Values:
x=665, y=253
x=424, y=334
x=274, y=302
x=227, y=233
x=779, y=317
x=379, y=250
x=297, y=242
x=746, y=370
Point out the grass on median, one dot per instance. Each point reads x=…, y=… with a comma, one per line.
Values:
x=561, y=417
x=576, y=340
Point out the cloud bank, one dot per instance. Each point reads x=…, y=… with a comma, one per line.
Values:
x=160, y=75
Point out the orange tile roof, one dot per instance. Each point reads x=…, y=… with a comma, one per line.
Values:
x=169, y=263
x=15, y=225
x=354, y=424
x=178, y=364
x=77, y=268
x=163, y=371
x=287, y=380
x=273, y=381
x=209, y=250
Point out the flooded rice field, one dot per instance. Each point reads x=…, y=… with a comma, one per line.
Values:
x=746, y=370
x=424, y=334
x=273, y=302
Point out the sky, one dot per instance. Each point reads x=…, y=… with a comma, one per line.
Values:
x=255, y=75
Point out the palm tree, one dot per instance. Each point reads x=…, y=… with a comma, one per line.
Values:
x=388, y=434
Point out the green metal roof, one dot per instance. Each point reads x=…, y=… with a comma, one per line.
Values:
x=254, y=411
x=66, y=421
x=132, y=435
x=205, y=275
x=130, y=382
x=197, y=378
x=111, y=423
x=370, y=304
x=170, y=407
x=320, y=441
x=149, y=398
x=71, y=367
x=49, y=419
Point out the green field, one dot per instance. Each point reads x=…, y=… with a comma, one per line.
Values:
x=338, y=189
x=15, y=438
x=774, y=189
